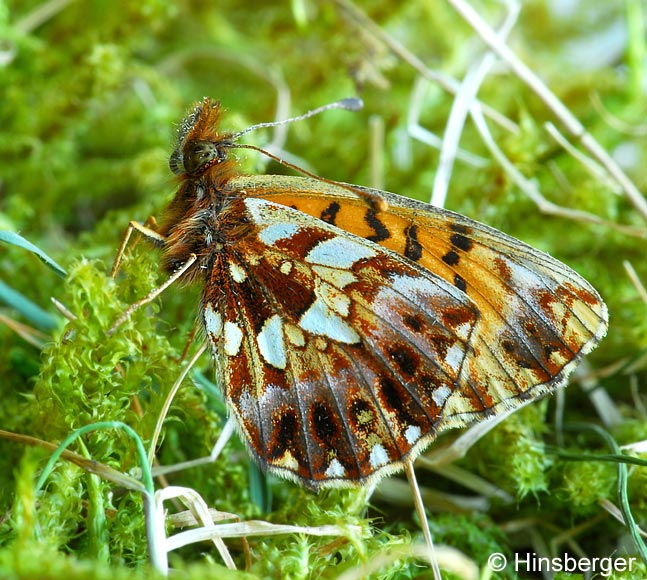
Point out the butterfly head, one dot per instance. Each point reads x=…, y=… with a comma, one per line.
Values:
x=199, y=144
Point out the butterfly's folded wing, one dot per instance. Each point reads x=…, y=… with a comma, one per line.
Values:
x=537, y=317
x=340, y=356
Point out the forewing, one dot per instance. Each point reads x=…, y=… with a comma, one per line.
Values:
x=337, y=356
x=537, y=317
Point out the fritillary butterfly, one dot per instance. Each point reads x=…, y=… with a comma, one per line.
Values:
x=350, y=326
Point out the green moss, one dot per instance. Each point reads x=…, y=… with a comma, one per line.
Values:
x=585, y=484
x=513, y=455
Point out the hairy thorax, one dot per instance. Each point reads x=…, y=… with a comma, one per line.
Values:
x=206, y=219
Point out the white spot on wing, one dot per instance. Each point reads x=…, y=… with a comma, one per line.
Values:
x=276, y=222
x=339, y=252
x=258, y=208
x=412, y=434
x=212, y=321
x=335, y=469
x=233, y=338
x=335, y=300
x=278, y=231
x=455, y=355
x=248, y=407
x=237, y=273
x=320, y=320
x=270, y=342
x=522, y=276
x=440, y=395
x=378, y=456
x=338, y=278
x=463, y=330
x=406, y=285
x=425, y=291
x=294, y=335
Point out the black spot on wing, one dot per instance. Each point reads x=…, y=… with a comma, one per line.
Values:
x=330, y=213
x=325, y=424
x=451, y=258
x=461, y=242
x=381, y=231
x=459, y=228
x=285, y=435
x=412, y=247
x=405, y=360
x=414, y=322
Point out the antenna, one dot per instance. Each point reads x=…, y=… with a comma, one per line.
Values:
x=372, y=197
x=349, y=104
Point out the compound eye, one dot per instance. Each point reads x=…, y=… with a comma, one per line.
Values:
x=176, y=162
x=197, y=157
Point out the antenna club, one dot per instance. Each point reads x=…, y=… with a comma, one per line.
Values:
x=352, y=104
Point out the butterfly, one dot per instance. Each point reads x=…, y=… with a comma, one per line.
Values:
x=350, y=326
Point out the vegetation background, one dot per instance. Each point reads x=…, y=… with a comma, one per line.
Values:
x=90, y=96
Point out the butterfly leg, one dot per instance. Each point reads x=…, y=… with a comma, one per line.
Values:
x=154, y=293
x=147, y=230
